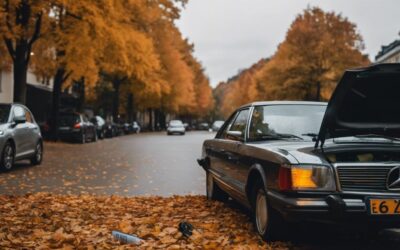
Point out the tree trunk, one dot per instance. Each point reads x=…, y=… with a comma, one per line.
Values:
x=129, y=107
x=58, y=81
x=116, y=84
x=82, y=94
x=318, y=93
x=163, y=124
x=151, y=128
x=20, y=70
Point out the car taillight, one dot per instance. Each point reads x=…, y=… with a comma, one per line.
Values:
x=78, y=125
x=285, y=178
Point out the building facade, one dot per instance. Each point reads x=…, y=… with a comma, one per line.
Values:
x=389, y=53
x=38, y=95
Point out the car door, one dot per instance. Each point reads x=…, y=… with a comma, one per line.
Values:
x=233, y=154
x=20, y=134
x=216, y=150
x=225, y=152
x=32, y=131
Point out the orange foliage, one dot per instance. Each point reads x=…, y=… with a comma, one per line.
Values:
x=318, y=47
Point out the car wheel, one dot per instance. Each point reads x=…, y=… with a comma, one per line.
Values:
x=269, y=223
x=38, y=156
x=7, y=157
x=214, y=192
x=83, y=138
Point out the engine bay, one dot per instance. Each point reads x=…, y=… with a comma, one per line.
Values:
x=363, y=156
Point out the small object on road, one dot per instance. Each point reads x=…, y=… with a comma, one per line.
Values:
x=126, y=238
x=186, y=228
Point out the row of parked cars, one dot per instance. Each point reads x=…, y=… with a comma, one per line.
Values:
x=77, y=127
x=178, y=127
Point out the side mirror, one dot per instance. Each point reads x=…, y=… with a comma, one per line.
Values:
x=19, y=119
x=235, y=135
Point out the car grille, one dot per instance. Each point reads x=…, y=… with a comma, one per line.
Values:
x=363, y=178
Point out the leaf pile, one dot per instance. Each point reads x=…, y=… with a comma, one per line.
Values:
x=43, y=221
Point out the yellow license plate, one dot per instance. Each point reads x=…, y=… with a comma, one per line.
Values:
x=384, y=206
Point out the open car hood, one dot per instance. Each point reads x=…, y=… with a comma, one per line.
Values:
x=366, y=101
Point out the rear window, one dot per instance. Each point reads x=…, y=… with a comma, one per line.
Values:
x=175, y=123
x=69, y=119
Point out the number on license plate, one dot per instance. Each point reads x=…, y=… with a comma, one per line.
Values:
x=384, y=206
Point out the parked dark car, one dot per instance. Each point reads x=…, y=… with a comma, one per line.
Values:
x=100, y=125
x=128, y=128
x=308, y=161
x=203, y=126
x=76, y=127
x=20, y=136
x=111, y=129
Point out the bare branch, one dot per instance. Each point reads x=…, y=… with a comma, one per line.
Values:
x=36, y=34
x=10, y=47
x=67, y=76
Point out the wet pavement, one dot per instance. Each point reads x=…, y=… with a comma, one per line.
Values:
x=139, y=164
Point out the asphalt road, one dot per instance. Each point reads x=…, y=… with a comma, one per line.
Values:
x=139, y=164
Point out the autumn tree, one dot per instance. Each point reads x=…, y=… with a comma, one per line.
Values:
x=21, y=23
x=318, y=47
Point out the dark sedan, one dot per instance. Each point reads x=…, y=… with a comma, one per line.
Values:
x=76, y=127
x=308, y=161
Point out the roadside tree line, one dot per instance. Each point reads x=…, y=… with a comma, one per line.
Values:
x=128, y=48
x=307, y=65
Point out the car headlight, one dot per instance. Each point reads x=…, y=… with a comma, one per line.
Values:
x=307, y=177
x=1, y=132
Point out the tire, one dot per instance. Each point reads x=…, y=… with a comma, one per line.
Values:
x=38, y=156
x=214, y=192
x=83, y=138
x=7, y=157
x=95, y=136
x=268, y=223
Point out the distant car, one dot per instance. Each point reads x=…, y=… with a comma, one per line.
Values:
x=203, y=126
x=136, y=127
x=20, y=136
x=75, y=126
x=111, y=129
x=217, y=125
x=127, y=128
x=176, y=127
x=100, y=125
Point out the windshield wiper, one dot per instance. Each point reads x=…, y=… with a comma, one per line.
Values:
x=313, y=135
x=277, y=137
x=378, y=136
x=289, y=136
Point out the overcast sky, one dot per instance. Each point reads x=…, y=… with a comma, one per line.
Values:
x=233, y=34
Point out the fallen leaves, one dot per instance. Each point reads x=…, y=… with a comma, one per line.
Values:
x=44, y=221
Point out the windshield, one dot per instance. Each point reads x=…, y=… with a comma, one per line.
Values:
x=286, y=121
x=175, y=123
x=4, y=113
